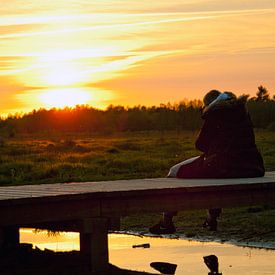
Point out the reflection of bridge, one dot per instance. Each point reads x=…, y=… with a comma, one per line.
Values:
x=92, y=208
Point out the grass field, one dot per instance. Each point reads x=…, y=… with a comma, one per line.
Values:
x=40, y=159
x=68, y=158
x=59, y=158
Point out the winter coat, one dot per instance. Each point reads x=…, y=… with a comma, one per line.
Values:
x=228, y=144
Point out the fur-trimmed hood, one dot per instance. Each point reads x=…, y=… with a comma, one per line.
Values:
x=224, y=101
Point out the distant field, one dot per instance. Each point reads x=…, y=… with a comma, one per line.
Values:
x=42, y=159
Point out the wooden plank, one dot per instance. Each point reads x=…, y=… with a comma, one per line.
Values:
x=40, y=212
x=71, y=225
x=114, y=198
x=53, y=192
x=185, y=201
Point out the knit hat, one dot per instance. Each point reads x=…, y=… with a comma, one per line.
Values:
x=210, y=97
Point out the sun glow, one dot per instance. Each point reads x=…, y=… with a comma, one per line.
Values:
x=62, y=75
x=61, y=98
x=62, y=68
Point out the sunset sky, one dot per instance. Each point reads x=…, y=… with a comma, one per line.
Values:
x=130, y=52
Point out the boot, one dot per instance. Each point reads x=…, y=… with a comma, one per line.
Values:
x=210, y=224
x=211, y=221
x=163, y=228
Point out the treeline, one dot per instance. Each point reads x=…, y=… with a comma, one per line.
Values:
x=182, y=116
x=114, y=119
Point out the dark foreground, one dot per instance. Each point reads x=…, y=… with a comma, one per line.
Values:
x=25, y=260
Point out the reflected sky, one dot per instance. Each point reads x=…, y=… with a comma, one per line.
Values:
x=186, y=254
x=132, y=52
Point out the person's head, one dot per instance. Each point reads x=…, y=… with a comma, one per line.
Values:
x=210, y=97
x=230, y=94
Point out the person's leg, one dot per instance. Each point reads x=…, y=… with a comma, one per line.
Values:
x=174, y=169
x=211, y=220
x=192, y=168
x=168, y=217
x=197, y=169
x=166, y=225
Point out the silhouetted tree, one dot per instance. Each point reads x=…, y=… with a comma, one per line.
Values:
x=262, y=94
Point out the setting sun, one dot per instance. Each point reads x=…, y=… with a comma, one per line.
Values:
x=65, y=97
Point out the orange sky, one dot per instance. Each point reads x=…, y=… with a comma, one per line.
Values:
x=67, y=52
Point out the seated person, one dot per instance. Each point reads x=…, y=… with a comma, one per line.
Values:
x=227, y=143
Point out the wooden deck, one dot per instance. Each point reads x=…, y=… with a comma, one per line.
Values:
x=92, y=208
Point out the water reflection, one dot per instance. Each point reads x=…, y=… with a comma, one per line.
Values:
x=60, y=241
x=188, y=255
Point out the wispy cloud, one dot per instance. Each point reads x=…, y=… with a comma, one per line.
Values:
x=165, y=18
x=102, y=27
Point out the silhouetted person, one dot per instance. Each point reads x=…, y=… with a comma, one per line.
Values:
x=227, y=143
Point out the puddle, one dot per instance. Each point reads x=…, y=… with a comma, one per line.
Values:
x=188, y=255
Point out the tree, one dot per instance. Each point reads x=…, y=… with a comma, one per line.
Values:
x=262, y=94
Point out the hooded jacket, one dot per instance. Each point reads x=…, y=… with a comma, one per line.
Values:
x=227, y=140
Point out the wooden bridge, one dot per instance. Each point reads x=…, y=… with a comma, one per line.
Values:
x=93, y=208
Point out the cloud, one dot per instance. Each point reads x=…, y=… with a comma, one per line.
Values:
x=118, y=26
x=19, y=28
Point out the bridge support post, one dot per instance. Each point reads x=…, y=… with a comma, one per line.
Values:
x=1, y=237
x=9, y=237
x=94, y=243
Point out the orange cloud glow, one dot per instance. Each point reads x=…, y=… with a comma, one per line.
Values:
x=107, y=52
